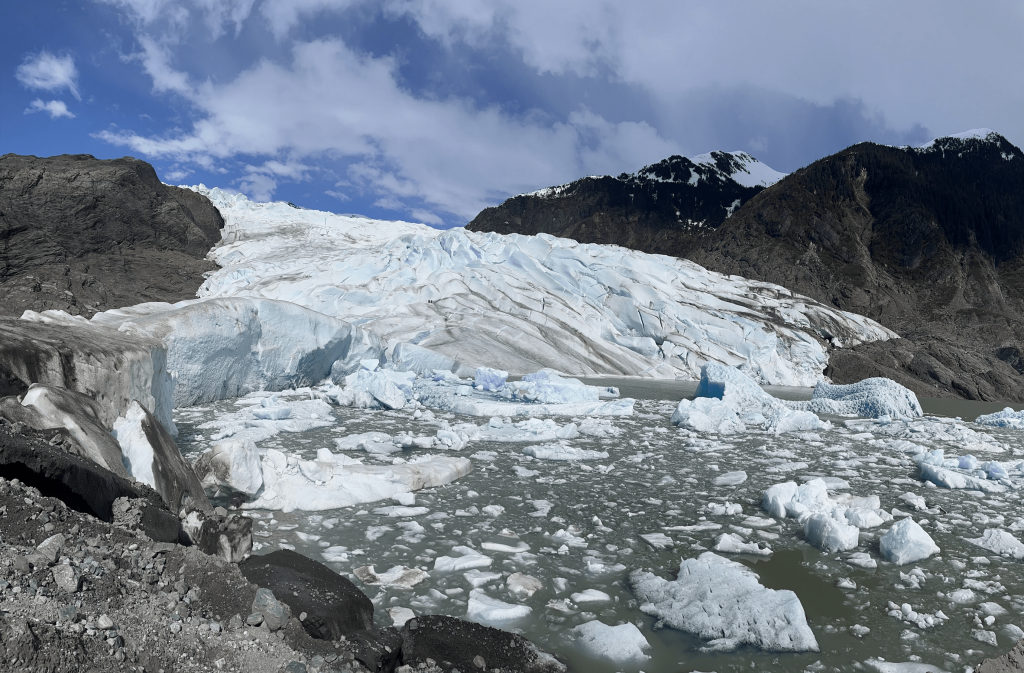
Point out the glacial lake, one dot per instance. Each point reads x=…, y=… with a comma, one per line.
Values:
x=658, y=479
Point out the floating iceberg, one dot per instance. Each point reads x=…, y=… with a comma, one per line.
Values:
x=906, y=542
x=830, y=523
x=483, y=609
x=330, y=482
x=739, y=393
x=723, y=602
x=521, y=303
x=999, y=542
x=1007, y=418
x=871, y=398
x=707, y=414
x=231, y=467
x=963, y=472
x=560, y=452
x=622, y=644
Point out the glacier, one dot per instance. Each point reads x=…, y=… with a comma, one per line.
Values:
x=524, y=303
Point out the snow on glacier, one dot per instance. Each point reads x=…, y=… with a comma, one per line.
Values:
x=523, y=303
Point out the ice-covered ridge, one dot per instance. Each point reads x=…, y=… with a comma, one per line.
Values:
x=972, y=134
x=742, y=168
x=520, y=303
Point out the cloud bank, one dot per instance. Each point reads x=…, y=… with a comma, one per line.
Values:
x=435, y=109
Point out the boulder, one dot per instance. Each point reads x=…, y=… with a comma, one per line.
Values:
x=334, y=606
x=378, y=650
x=275, y=614
x=230, y=468
x=151, y=456
x=455, y=643
x=82, y=417
x=113, y=368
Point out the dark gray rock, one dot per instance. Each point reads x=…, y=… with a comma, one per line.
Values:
x=272, y=611
x=669, y=208
x=82, y=235
x=1011, y=662
x=455, y=643
x=334, y=606
x=378, y=650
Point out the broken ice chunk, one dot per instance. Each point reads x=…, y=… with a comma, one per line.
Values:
x=397, y=576
x=523, y=586
x=731, y=479
x=906, y=542
x=1000, y=542
x=484, y=609
x=734, y=544
x=590, y=596
x=490, y=379
x=658, y=540
x=622, y=644
x=723, y=601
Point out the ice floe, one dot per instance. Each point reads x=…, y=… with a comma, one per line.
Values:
x=622, y=644
x=906, y=542
x=871, y=398
x=724, y=603
x=1007, y=418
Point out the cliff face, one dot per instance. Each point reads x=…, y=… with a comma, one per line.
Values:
x=84, y=235
x=927, y=241
x=670, y=207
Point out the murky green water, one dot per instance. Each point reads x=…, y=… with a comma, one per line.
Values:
x=658, y=480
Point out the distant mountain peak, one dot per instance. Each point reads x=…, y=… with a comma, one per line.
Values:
x=969, y=140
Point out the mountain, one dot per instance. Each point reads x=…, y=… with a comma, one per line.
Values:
x=669, y=207
x=928, y=241
x=83, y=235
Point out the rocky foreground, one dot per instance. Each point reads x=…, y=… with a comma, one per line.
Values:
x=78, y=593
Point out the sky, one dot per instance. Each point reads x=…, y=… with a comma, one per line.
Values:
x=431, y=110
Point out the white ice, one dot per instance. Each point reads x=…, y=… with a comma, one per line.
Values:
x=228, y=347
x=521, y=303
x=871, y=398
x=723, y=602
x=622, y=644
x=561, y=452
x=484, y=609
x=906, y=542
x=1000, y=542
x=1007, y=418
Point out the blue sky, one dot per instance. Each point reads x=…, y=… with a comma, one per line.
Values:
x=429, y=110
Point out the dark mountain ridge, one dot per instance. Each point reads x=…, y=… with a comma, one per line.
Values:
x=669, y=207
x=928, y=241
x=84, y=235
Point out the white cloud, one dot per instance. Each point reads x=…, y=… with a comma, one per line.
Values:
x=284, y=15
x=49, y=72
x=330, y=101
x=56, y=108
x=258, y=185
x=942, y=63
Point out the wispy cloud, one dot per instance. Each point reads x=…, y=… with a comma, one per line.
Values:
x=47, y=72
x=55, y=108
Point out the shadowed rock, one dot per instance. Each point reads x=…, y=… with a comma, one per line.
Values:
x=334, y=606
x=455, y=643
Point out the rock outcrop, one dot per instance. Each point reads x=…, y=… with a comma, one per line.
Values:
x=83, y=235
x=333, y=606
x=927, y=241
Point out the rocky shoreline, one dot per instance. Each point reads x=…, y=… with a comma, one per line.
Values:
x=78, y=593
